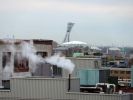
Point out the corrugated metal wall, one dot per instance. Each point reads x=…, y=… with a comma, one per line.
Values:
x=5, y=93
x=39, y=88
x=86, y=96
x=53, y=88
x=42, y=88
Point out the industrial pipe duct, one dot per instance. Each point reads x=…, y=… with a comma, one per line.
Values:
x=69, y=82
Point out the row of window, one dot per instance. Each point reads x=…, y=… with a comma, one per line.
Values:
x=120, y=72
x=21, y=64
x=124, y=77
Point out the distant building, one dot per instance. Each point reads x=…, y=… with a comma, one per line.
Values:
x=121, y=73
x=114, y=51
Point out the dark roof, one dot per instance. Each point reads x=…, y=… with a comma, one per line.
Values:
x=35, y=41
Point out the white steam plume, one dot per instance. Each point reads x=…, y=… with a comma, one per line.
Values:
x=61, y=62
x=8, y=68
x=7, y=72
x=29, y=52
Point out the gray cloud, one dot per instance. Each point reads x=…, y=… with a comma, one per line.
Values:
x=97, y=20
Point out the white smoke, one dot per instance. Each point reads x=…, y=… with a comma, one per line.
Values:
x=7, y=72
x=8, y=68
x=61, y=62
x=28, y=51
x=12, y=48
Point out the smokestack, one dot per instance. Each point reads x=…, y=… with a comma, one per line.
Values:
x=69, y=82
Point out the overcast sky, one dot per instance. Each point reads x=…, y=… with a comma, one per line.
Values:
x=97, y=22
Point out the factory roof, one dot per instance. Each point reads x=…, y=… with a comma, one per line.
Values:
x=84, y=58
x=17, y=41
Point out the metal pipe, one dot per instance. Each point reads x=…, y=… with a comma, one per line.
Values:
x=69, y=82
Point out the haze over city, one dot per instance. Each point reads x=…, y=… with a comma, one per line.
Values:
x=97, y=22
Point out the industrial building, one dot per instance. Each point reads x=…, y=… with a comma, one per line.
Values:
x=121, y=73
x=52, y=84
x=11, y=57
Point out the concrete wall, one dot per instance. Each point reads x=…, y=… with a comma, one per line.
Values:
x=44, y=48
x=86, y=62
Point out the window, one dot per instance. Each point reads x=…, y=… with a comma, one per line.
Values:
x=122, y=72
x=116, y=72
x=128, y=72
x=42, y=54
x=128, y=78
x=21, y=64
x=121, y=78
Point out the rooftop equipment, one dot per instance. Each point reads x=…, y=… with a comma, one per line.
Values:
x=106, y=87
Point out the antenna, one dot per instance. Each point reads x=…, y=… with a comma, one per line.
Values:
x=69, y=28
